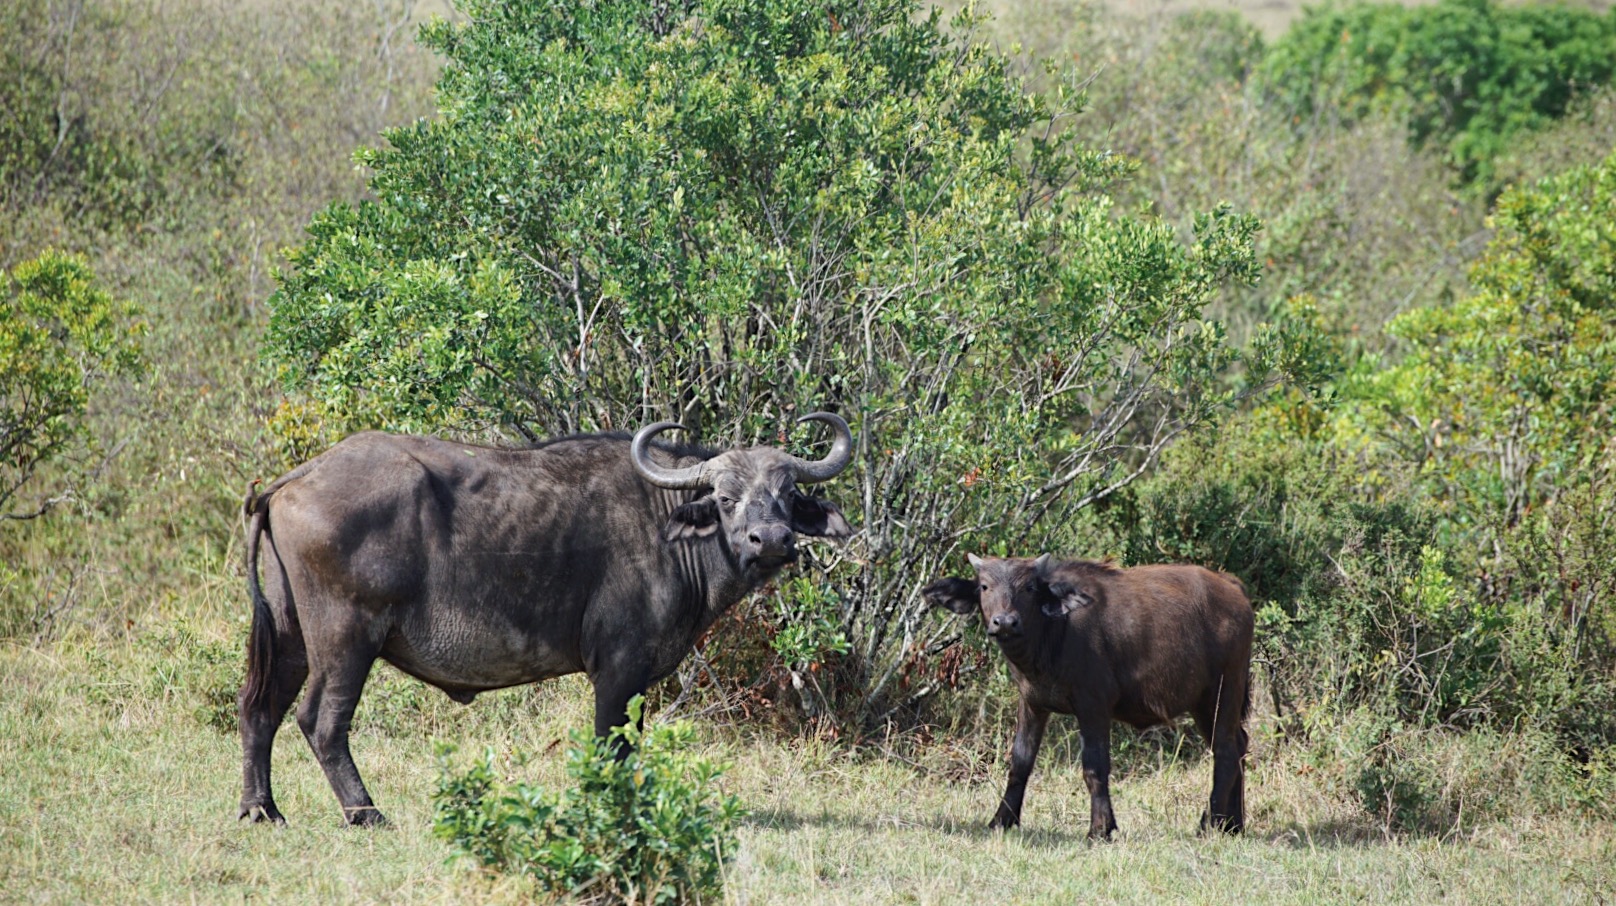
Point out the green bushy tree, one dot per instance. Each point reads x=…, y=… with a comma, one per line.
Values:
x=1504, y=401
x=737, y=211
x=1434, y=548
x=1468, y=76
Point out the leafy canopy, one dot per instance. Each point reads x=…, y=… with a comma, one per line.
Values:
x=735, y=211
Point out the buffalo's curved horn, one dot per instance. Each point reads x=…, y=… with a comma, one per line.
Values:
x=687, y=477
x=840, y=455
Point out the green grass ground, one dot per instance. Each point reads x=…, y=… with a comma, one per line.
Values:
x=121, y=780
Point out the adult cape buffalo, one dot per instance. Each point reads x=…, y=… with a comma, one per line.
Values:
x=1140, y=645
x=475, y=568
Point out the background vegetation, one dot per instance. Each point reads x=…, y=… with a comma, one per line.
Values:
x=1422, y=509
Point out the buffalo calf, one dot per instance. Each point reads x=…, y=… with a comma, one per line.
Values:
x=1140, y=645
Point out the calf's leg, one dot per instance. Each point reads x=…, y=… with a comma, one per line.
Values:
x=1229, y=741
x=1096, y=732
x=1030, y=723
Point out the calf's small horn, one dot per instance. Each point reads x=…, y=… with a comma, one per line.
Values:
x=839, y=457
x=687, y=477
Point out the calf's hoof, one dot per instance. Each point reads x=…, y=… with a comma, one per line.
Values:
x=1229, y=824
x=259, y=813
x=366, y=816
x=1003, y=822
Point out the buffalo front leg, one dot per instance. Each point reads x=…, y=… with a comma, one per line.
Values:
x=1030, y=723
x=325, y=716
x=260, y=721
x=613, y=691
x=1096, y=732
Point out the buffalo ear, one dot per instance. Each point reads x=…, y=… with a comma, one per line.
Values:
x=813, y=516
x=959, y=595
x=696, y=519
x=1065, y=598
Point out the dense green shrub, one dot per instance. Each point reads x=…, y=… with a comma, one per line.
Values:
x=1504, y=404
x=1468, y=76
x=649, y=828
x=745, y=210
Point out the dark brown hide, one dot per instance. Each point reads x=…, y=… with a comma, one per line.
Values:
x=475, y=568
x=1140, y=645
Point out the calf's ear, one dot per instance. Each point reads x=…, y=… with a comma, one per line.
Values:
x=959, y=595
x=696, y=519
x=812, y=516
x=1065, y=597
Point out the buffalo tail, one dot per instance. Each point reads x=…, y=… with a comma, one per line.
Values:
x=261, y=639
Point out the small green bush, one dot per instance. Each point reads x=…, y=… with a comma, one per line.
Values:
x=61, y=336
x=649, y=828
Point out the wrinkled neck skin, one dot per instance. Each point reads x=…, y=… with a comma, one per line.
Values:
x=709, y=574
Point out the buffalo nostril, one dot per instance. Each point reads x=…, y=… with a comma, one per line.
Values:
x=772, y=539
x=1004, y=621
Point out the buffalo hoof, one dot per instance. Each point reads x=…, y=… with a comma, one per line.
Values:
x=263, y=812
x=367, y=816
x=1002, y=823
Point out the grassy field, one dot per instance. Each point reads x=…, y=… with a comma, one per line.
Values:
x=122, y=777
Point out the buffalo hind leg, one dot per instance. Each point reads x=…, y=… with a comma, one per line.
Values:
x=326, y=715
x=1221, y=721
x=260, y=721
x=1030, y=723
x=1096, y=732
